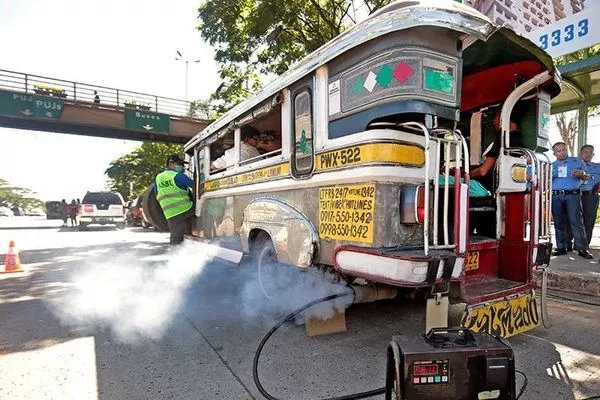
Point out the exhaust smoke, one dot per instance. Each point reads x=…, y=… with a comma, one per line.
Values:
x=136, y=295
x=132, y=296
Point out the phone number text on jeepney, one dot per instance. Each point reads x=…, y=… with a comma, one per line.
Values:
x=346, y=213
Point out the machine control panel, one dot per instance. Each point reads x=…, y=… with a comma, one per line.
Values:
x=430, y=372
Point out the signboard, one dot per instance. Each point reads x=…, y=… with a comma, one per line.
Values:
x=25, y=105
x=47, y=107
x=147, y=121
x=570, y=34
x=346, y=213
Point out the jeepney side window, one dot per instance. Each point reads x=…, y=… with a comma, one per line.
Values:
x=303, y=155
x=199, y=163
x=222, y=153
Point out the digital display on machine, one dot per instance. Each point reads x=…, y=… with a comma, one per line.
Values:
x=427, y=369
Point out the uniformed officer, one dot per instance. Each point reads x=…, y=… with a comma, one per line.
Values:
x=567, y=176
x=171, y=187
x=589, y=195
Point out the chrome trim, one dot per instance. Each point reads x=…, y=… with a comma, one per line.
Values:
x=293, y=235
x=448, y=15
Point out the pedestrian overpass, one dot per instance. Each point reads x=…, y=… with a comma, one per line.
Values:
x=38, y=103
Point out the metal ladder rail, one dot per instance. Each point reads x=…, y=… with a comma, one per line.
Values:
x=545, y=189
x=458, y=144
x=466, y=162
x=417, y=127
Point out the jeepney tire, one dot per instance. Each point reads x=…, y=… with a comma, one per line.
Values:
x=264, y=255
x=153, y=212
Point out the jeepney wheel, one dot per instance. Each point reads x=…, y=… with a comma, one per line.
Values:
x=266, y=266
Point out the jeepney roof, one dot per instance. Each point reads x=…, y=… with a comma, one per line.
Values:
x=397, y=16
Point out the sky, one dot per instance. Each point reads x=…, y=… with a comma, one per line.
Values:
x=124, y=44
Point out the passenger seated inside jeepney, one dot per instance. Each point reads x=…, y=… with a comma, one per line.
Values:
x=249, y=136
x=482, y=210
x=484, y=172
x=269, y=144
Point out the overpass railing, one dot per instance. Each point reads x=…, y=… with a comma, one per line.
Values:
x=83, y=93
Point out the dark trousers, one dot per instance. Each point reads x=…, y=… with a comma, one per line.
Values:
x=566, y=209
x=589, y=208
x=180, y=225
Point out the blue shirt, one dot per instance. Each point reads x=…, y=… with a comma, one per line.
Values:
x=562, y=173
x=182, y=181
x=593, y=170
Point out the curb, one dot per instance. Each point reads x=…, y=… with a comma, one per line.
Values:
x=570, y=282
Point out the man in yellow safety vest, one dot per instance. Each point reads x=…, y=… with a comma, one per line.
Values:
x=172, y=193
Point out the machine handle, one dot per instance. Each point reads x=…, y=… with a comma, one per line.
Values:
x=439, y=337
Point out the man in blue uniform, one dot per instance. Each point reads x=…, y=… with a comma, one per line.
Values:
x=589, y=195
x=567, y=175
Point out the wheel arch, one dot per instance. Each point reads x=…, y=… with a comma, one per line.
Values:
x=293, y=235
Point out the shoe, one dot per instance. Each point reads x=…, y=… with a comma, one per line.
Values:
x=559, y=252
x=585, y=254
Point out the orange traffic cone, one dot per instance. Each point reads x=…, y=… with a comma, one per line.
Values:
x=12, y=262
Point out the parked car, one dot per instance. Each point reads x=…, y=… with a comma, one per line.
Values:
x=36, y=212
x=18, y=211
x=53, y=210
x=102, y=208
x=6, y=212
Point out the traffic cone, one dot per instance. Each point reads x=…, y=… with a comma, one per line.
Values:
x=12, y=262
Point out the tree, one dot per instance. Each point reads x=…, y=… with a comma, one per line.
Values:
x=137, y=170
x=254, y=38
x=568, y=130
x=13, y=196
x=568, y=126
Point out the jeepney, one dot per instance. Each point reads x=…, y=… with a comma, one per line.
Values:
x=378, y=131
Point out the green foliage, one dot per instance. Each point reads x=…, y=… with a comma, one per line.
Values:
x=568, y=128
x=13, y=196
x=254, y=38
x=48, y=88
x=140, y=167
x=578, y=55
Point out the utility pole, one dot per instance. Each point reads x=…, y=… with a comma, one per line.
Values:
x=180, y=57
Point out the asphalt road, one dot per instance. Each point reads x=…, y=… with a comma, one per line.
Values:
x=112, y=314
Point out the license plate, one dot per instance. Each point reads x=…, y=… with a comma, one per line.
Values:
x=504, y=318
x=472, y=261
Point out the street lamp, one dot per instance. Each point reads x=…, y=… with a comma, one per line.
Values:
x=179, y=57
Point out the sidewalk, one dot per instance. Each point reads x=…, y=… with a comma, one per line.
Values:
x=571, y=273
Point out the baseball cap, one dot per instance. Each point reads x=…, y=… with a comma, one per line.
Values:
x=176, y=159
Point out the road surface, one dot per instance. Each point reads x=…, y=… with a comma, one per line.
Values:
x=112, y=314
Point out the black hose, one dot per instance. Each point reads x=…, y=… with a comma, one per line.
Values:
x=571, y=299
x=525, y=381
x=290, y=316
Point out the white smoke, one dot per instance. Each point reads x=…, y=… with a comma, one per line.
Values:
x=280, y=290
x=136, y=296
x=132, y=296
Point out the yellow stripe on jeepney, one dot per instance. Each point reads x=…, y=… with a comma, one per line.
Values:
x=395, y=153
x=392, y=153
x=260, y=175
